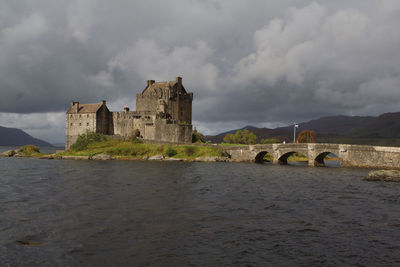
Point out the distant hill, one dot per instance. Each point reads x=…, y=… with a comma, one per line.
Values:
x=17, y=137
x=338, y=125
x=381, y=130
x=261, y=133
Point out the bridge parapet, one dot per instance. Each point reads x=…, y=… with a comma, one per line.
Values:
x=349, y=155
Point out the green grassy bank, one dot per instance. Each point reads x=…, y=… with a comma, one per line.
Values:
x=133, y=150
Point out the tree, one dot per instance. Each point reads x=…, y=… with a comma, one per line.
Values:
x=241, y=137
x=307, y=136
x=87, y=138
x=229, y=138
x=270, y=141
x=197, y=137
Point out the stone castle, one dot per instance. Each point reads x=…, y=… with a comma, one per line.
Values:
x=163, y=114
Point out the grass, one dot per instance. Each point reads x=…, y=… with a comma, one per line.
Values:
x=130, y=150
x=229, y=144
x=30, y=151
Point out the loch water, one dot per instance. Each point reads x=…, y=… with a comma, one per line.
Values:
x=137, y=213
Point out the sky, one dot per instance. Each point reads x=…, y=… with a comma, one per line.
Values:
x=256, y=62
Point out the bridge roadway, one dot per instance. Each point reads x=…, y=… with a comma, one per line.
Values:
x=349, y=155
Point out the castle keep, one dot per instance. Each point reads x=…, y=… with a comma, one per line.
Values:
x=163, y=113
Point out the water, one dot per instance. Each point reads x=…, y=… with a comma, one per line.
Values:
x=87, y=213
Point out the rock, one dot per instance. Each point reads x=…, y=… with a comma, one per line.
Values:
x=156, y=157
x=8, y=153
x=50, y=156
x=172, y=159
x=383, y=175
x=211, y=159
x=102, y=157
x=206, y=159
x=75, y=157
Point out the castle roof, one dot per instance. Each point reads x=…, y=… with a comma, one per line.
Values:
x=85, y=108
x=154, y=87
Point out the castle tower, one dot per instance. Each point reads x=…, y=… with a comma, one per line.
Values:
x=178, y=103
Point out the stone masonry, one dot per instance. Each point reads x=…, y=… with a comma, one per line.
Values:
x=163, y=113
x=349, y=155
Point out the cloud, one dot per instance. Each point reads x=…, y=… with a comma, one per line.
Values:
x=147, y=60
x=46, y=126
x=321, y=62
x=80, y=19
x=247, y=62
x=29, y=28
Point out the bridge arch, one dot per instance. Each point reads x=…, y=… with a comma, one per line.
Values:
x=283, y=160
x=260, y=157
x=319, y=161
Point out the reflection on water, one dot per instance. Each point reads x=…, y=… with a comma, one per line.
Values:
x=79, y=213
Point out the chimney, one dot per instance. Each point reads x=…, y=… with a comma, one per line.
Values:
x=179, y=80
x=76, y=106
x=150, y=82
x=126, y=108
x=104, y=102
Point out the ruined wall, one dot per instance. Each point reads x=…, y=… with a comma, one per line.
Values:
x=77, y=124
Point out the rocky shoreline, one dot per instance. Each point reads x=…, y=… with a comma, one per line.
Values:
x=383, y=175
x=103, y=157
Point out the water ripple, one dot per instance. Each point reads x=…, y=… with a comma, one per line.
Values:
x=79, y=213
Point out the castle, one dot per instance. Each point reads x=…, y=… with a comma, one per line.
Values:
x=163, y=114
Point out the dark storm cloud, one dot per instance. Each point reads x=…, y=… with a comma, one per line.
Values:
x=246, y=61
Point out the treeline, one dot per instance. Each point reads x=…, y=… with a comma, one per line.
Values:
x=244, y=137
x=249, y=138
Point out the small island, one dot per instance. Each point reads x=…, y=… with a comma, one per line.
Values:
x=95, y=146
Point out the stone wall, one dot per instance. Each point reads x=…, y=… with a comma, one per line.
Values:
x=183, y=108
x=150, y=127
x=175, y=102
x=349, y=155
x=104, y=121
x=370, y=156
x=125, y=123
x=147, y=103
x=165, y=131
x=77, y=124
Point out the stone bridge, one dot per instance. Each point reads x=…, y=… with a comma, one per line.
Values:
x=349, y=155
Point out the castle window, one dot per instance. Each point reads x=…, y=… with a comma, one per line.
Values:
x=80, y=116
x=181, y=111
x=71, y=124
x=87, y=115
x=71, y=116
x=87, y=124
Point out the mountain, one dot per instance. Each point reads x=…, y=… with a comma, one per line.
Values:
x=384, y=126
x=17, y=137
x=261, y=133
x=381, y=130
x=340, y=125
